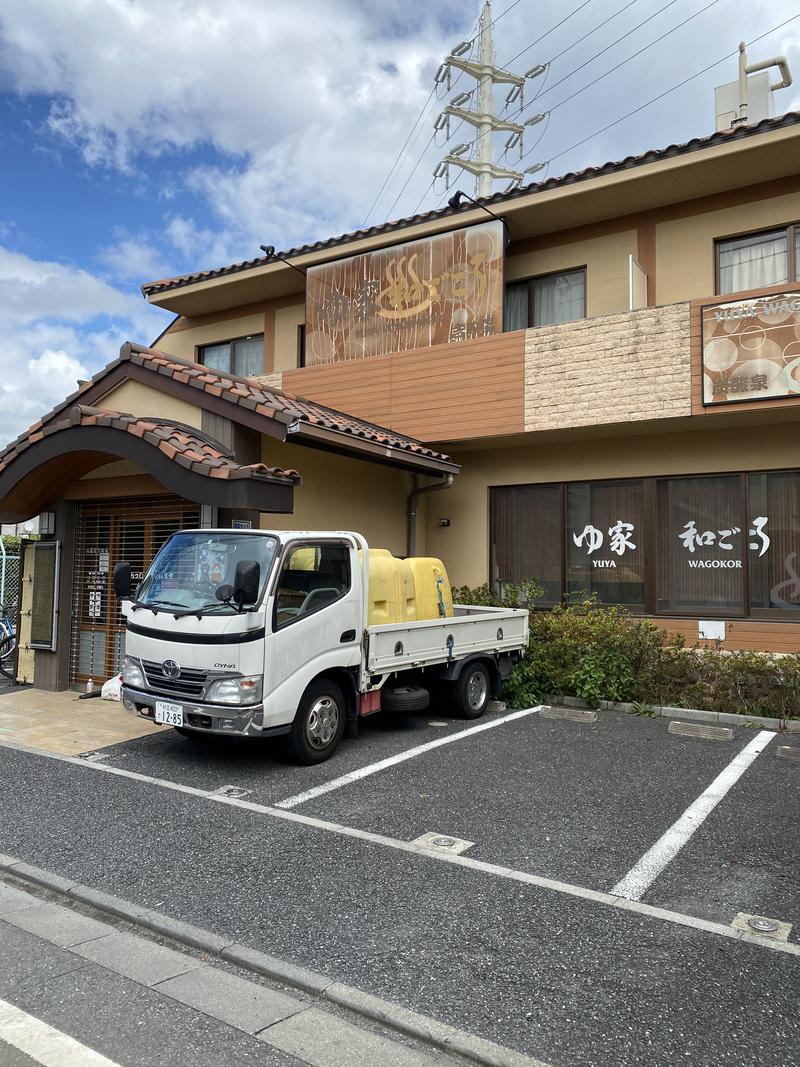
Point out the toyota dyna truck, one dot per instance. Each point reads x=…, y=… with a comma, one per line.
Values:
x=266, y=633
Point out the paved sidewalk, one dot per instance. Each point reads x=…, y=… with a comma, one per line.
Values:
x=125, y=996
x=65, y=724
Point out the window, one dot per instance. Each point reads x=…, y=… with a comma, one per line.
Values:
x=605, y=549
x=312, y=577
x=44, y=596
x=704, y=546
x=526, y=537
x=700, y=544
x=301, y=345
x=546, y=301
x=774, y=540
x=758, y=260
x=244, y=356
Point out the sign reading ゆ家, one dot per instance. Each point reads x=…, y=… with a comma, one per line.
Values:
x=437, y=290
x=751, y=349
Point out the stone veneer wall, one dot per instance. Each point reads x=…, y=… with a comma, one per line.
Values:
x=614, y=369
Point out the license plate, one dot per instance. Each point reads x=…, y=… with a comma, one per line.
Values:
x=169, y=714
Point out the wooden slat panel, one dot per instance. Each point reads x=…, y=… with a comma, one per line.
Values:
x=755, y=634
x=446, y=392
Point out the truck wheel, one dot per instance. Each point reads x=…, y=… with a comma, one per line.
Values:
x=469, y=693
x=404, y=698
x=319, y=724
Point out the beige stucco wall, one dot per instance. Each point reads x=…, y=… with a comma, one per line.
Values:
x=134, y=398
x=464, y=545
x=342, y=494
x=618, y=368
x=606, y=262
x=685, y=247
x=286, y=322
x=184, y=342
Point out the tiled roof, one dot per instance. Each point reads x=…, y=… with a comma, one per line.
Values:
x=190, y=449
x=271, y=403
x=651, y=156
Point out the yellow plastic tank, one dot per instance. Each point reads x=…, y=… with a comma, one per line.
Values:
x=391, y=589
x=434, y=596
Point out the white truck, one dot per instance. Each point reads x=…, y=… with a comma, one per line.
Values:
x=225, y=636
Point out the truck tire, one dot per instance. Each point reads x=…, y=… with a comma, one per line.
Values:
x=319, y=724
x=470, y=692
x=405, y=698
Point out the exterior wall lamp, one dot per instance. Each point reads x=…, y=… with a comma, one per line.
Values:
x=47, y=523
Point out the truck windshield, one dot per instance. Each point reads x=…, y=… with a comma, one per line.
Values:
x=194, y=571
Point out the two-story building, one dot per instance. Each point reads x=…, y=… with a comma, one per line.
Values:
x=596, y=376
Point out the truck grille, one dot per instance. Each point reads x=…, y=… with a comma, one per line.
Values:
x=191, y=683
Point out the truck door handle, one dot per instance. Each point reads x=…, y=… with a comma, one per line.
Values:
x=347, y=636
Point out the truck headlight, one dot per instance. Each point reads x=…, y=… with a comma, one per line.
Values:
x=132, y=673
x=236, y=690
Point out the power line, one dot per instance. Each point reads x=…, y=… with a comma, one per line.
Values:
x=591, y=59
x=622, y=63
x=551, y=30
x=673, y=89
x=418, y=119
x=564, y=51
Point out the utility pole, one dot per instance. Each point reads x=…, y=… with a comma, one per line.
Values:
x=487, y=75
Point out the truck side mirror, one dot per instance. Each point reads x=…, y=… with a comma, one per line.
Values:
x=123, y=586
x=246, y=581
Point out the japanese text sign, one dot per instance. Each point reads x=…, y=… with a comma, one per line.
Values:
x=751, y=349
x=441, y=289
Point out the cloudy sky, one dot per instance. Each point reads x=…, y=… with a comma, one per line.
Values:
x=143, y=138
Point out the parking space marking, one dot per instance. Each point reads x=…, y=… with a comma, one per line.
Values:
x=494, y=869
x=44, y=1043
x=640, y=877
x=400, y=757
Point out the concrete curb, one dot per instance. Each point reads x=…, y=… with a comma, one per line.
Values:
x=717, y=718
x=439, y=1035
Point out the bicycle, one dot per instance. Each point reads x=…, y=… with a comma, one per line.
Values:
x=8, y=643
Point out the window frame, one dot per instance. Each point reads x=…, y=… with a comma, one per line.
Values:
x=231, y=342
x=531, y=282
x=288, y=549
x=650, y=543
x=791, y=229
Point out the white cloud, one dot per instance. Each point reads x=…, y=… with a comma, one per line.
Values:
x=57, y=324
x=134, y=258
x=305, y=106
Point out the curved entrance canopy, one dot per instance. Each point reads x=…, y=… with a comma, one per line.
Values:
x=40, y=465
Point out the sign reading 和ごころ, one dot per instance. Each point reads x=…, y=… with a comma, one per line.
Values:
x=437, y=290
x=751, y=349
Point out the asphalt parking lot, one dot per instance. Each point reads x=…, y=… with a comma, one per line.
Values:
x=517, y=938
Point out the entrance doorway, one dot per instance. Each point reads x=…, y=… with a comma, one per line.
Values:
x=106, y=532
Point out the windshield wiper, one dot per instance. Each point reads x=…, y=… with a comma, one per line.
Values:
x=202, y=608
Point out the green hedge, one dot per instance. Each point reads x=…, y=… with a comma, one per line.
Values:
x=604, y=653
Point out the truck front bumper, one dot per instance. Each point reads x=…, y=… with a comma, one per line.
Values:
x=201, y=718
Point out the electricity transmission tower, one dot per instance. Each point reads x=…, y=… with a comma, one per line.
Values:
x=482, y=117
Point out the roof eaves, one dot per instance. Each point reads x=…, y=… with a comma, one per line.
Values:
x=652, y=155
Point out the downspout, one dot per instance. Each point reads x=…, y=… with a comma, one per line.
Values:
x=413, y=496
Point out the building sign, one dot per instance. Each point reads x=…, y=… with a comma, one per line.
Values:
x=751, y=349
x=434, y=291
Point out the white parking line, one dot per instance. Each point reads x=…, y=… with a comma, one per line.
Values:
x=469, y=862
x=391, y=761
x=639, y=878
x=43, y=1043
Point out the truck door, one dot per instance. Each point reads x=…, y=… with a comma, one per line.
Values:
x=316, y=622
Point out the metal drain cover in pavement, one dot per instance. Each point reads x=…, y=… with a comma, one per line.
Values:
x=762, y=924
x=443, y=843
x=232, y=791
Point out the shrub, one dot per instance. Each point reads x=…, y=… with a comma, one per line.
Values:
x=599, y=653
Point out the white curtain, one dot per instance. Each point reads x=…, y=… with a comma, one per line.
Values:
x=559, y=298
x=753, y=262
x=249, y=356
